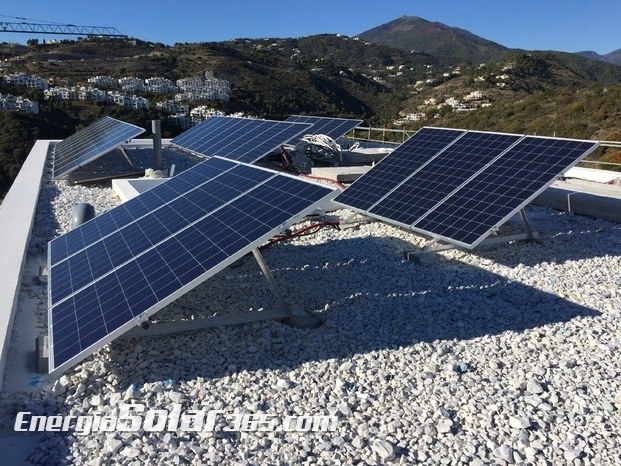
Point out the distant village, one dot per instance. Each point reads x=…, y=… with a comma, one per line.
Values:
x=112, y=91
x=188, y=107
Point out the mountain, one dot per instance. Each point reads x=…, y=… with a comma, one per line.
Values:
x=449, y=44
x=612, y=57
x=326, y=75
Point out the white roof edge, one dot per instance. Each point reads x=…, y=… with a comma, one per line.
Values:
x=17, y=214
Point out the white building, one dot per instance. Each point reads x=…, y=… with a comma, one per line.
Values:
x=23, y=79
x=474, y=95
x=127, y=101
x=203, y=112
x=452, y=102
x=103, y=81
x=61, y=93
x=174, y=107
x=9, y=103
x=92, y=94
x=132, y=84
x=183, y=121
x=160, y=85
x=415, y=117
x=190, y=84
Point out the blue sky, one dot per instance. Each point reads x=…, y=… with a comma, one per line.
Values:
x=568, y=26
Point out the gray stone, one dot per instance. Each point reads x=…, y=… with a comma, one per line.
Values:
x=571, y=454
x=112, y=445
x=130, y=452
x=324, y=446
x=519, y=422
x=533, y=400
x=175, y=397
x=505, y=453
x=567, y=363
x=444, y=426
x=358, y=443
x=384, y=449
x=283, y=384
x=338, y=442
x=534, y=387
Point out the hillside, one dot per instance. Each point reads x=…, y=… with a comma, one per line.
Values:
x=327, y=74
x=450, y=45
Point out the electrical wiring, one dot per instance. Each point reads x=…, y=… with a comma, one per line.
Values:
x=304, y=231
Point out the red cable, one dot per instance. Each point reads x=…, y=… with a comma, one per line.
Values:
x=334, y=223
x=340, y=185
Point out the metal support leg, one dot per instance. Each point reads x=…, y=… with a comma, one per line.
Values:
x=293, y=316
x=529, y=231
x=298, y=317
x=270, y=279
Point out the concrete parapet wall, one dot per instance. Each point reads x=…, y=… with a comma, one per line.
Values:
x=585, y=198
x=17, y=214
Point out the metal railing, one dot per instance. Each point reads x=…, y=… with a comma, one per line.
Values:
x=403, y=135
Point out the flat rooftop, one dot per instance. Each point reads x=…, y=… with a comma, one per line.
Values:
x=500, y=355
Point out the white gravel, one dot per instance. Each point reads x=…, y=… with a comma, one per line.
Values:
x=505, y=355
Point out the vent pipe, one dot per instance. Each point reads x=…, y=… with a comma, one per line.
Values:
x=157, y=145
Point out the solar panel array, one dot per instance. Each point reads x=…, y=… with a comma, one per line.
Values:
x=332, y=127
x=91, y=142
x=241, y=139
x=124, y=265
x=460, y=185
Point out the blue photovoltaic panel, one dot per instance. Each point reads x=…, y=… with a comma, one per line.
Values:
x=496, y=192
x=465, y=189
x=91, y=142
x=241, y=139
x=130, y=262
x=397, y=167
x=332, y=127
x=428, y=185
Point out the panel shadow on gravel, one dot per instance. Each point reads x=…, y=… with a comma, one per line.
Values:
x=564, y=236
x=368, y=297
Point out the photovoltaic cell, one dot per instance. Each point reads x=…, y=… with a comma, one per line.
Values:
x=241, y=139
x=91, y=142
x=463, y=188
x=332, y=127
x=397, y=167
x=125, y=265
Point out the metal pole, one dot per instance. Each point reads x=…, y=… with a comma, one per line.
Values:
x=529, y=231
x=270, y=279
x=157, y=145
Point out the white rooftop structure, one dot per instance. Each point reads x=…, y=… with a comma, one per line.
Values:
x=503, y=354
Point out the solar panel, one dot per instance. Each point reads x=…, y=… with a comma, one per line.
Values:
x=397, y=167
x=121, y=267
x=91, y=142
x=430, y=183
x=493, y=196
x=241, y=139
x=461, y=187
x=333, y=127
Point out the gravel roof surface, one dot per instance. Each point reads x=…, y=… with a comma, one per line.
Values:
x=507, y=354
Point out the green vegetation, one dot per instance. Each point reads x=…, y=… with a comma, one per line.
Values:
x=545, y=93
x=584, y=113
